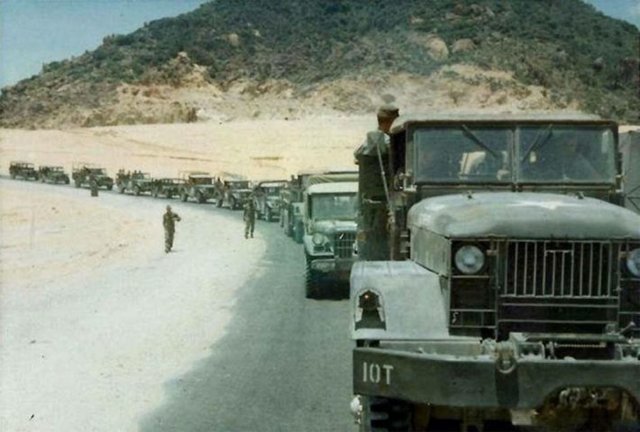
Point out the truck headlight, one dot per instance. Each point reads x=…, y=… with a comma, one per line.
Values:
x=469, y=259
x=319, y=239
x=633, y=262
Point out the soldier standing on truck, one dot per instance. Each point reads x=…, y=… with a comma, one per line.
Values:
x=249, y=217
x=169, y=222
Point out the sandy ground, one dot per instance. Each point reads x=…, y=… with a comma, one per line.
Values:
x=95, y=316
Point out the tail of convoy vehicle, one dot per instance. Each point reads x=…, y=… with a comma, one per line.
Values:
x=630, y=148
x=500, y=277
x=329, y=217
x=135, y=182
x=24, y=170
x=233, y=194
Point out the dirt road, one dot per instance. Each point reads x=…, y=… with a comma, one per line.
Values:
x=102, y=331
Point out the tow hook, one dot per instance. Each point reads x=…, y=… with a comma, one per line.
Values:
x=356, y=409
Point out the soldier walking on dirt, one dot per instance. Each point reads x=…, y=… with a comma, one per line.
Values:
x=249, y=217
x=169, y=222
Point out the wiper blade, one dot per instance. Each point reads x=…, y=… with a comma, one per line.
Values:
x=473, y=137
x=537, y=143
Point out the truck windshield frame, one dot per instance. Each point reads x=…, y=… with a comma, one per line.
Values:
x=333, y=206
x=545, y=153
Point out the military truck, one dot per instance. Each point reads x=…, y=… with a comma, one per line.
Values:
x=82, y=172
x=499, y=277
x=267, y=199
x=291, y=217
x=233, y=194
x=135, y=182
x=199, y=186
x=630, y=147
x=52, y=174
x=24, y=170
x=329, y=215
x=167, y=187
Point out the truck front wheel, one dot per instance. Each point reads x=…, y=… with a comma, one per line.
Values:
x=385, y=415
x=311, y=280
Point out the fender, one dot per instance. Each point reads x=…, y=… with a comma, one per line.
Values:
x=424, y=317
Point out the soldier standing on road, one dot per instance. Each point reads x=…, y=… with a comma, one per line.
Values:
x=169, y=222
x=249, y=217
x=93, y=184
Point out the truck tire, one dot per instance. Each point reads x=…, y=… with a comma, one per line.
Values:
x=385, y=415
x=310, y=280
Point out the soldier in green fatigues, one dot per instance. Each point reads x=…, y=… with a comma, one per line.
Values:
x=169, y=222
x=249, y=217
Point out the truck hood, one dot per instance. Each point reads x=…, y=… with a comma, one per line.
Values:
x=330, y=227
x=523, y=215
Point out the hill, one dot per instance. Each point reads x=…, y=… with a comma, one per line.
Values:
x=260, y=58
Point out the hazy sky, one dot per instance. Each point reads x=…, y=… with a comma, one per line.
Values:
x=34, y=32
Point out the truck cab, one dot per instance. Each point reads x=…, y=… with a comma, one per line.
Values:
x=329, y=214
x=499, y=279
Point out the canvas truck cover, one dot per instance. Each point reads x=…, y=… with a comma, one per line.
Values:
x=630, y=148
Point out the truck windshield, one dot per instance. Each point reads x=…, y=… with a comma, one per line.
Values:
x=462, y=154
x=334, y=207
x=556, y=153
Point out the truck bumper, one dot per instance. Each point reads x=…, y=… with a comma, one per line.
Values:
x=475, y=381
x=338, y=268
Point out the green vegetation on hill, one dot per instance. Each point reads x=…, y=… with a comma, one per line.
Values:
x=578, y=54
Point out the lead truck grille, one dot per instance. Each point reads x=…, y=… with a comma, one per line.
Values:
x=558, y=286
x=548, y=269
x=343, y=242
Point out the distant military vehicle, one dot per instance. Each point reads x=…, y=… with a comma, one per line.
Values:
x=167, y=187
x=500, y=277
x=630, y=147
x=233, y=194
x=199, y=186
x=267, y=199
x=329, y=215
x=135, y=182
x=24, y=170
x=52, y=174
x=81, y=173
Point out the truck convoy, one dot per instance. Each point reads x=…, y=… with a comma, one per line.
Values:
x=499, y=276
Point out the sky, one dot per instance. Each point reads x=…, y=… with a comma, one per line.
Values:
x=35, y=32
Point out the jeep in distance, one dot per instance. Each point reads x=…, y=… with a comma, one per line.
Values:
x=24, y=170
x=52, y=174
x=199, y=186
x=135, y=182
x=267, y=199
x=329, y=215
x=82, y=173
x=167, y=187
x=233, y=194
x=500, y=277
